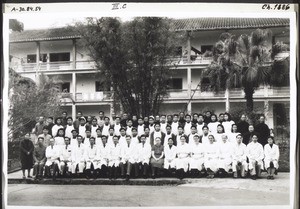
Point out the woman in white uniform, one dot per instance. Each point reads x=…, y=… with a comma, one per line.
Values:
x=197, y=157
x=213, y=124
x=170, y=156
x=182, y=161
x=225, y=156
x=227, y=123
x=220, y=132
x=211, y=157
x=271, y=152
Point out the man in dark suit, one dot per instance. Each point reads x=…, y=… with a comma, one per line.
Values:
x=263, y=131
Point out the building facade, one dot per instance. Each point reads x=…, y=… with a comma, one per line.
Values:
x=60, y=54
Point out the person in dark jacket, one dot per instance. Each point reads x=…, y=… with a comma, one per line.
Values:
x=247, y=138
x=243, y=125
x=26, y=155
x=263, y=131
x=39, y=156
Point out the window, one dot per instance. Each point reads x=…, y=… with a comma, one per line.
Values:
x=65, y=87
x=175, y=83
x=205, y=48
x=59, y=57
x=31, y=58
x=100, y=86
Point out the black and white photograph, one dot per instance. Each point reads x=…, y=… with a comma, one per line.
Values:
x=162, y=109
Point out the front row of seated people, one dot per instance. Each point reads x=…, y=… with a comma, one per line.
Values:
x=122, y=155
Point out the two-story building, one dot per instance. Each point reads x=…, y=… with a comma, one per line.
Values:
x=60, y=54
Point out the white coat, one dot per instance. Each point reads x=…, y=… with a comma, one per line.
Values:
x=122, y=141
x=163, y=127
x=212, y=126
x=197, y=156
x=52, y=155
x=144, y=153
x=239, y=155
x=66, y=157
x=211, y=156
x=135, y=140
x=199, y=129
x=232, y=137
x=182, y=161
x=191, y=139
x=129, y=130
x=187, y=128
x=140, y=130
x=114, y=155
x=78, y=158
x=225, y=155
x=204, y=139
x=103, y=154
x=175, y=128
x=92, y=156
x=98, y=141
x=93, y=130
x=255, y=153
x=227, y=126
x=59, y=141
x=81, y=130
x=55, y=129
x=110, y=139
x=105, y=129
x=68, y=131
x=117, y=129
x=170, y=156
x=129, y=153
x=271, y=155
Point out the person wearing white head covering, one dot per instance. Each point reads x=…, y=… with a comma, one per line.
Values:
x=196, y=163
x=225, y=155
x=239, y=157
x=211, y=157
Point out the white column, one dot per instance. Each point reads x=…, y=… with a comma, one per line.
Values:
x=74, y=54
x=189, y=73
x=38, y=52
x=74, y=95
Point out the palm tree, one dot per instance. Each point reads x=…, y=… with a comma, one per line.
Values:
x=249, y=60
x=223, y=73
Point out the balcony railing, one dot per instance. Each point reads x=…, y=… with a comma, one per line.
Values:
x=53, y=66
x=195, y=60
x=85, y=97
x=233, y=93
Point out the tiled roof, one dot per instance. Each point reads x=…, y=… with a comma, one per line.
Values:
x=215, y=23
x=44, y=34
x=195, y=24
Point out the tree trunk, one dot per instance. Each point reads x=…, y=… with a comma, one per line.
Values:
x=249, y=98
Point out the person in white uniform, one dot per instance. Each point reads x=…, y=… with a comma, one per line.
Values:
x=219, y=134
x=179, y=135
x=175, y=124
x=169, y=135
x=110, y=136
x=204, y=137
x=196, y=164
x=94, y=127
x=271, y=152
x=187, y=125
x=163, y=123
x=117, y=126
x=92, y=159
x=98, y=138
x=65, y=165
x=193, y=133
x=183, y=154
x=170, y=156
x=135, y=138
x=255, y=154
x=129, y=159
x=144, y=155
x=69, y=127
x=106, y=126
x=213, y=124
x=140, y=127
x=122, y=139
x=59, y=139
x=233, y=134
x=52, y=155
x=86, y=139
x=225, y=156
x=211, y=157
x=78, y=157
x=227, y=123
x=57, y=126
x=82, y=127
x=239, y=158
x=114, y=157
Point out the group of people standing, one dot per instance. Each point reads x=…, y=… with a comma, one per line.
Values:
x=179, y=145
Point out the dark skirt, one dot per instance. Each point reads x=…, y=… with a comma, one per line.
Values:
x=157, y=164
x=26, y=161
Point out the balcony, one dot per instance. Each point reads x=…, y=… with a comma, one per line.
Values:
x=195, y=60
x=53, y=66
x=233, y=93
x=85, y=97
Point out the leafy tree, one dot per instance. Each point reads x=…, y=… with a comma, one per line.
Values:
x=133, y=57
x=29, y=100
x=16, y=25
